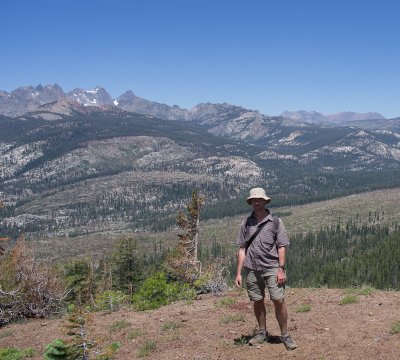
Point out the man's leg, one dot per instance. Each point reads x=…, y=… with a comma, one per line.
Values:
x=260, y=313
x=256, y=290
x=277, y=294
x=281, y=314
x=282, y=318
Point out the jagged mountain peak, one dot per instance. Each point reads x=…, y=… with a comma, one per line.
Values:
x=126, y=97
x=42, y=94
x=69, y=107
x=94, y=97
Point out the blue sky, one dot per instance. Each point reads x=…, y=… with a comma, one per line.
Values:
x=271, y=56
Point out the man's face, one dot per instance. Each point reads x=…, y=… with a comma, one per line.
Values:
x=258, y=203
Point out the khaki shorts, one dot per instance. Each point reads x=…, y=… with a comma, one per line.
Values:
x=256, y=282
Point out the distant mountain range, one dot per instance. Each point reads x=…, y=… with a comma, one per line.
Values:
x=32, y=98
x=81, y=162
x=314, y=117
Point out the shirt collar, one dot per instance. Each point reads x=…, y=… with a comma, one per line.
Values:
x=269, y=217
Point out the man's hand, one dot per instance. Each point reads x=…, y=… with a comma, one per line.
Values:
x=241, y=257
x=281, y=277
x=238, y=280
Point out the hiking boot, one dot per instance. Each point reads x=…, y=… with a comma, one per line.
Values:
x=258, y=338
x=288, y=342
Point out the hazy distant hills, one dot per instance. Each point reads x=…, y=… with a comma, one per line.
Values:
x=82, y=162
x=341, y=118
x=367, y=121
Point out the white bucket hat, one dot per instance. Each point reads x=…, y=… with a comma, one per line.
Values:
x=258, y=193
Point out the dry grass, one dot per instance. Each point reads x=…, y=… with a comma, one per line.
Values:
x=313, y=216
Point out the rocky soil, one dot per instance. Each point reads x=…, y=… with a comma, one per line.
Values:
x=218, y=328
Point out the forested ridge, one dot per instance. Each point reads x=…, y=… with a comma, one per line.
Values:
x=57, y=175
x=355, y=255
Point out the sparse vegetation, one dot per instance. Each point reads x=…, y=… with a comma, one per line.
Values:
x=349, y=299
x=395, y=328
x=119, y=325
x=170, y=325
x=303, y=308
x=134, y=334
x=226, y=302
x=110, y=351
x=363, y=290
x=232, y=318
x=243, y=340
x=146, y=349
x=6, y=333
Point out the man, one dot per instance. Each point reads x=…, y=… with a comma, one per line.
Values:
x=262, y=244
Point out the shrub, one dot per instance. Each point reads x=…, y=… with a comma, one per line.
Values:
x=56, y=350
x=157, y=291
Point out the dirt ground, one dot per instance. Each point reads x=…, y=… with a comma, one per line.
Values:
x=218, y=327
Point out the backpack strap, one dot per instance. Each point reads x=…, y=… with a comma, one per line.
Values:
x=252, y=237
x=275, y=227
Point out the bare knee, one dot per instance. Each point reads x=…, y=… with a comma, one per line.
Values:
x=279, y=303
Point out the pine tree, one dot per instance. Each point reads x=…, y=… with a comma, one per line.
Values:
x=126, y=266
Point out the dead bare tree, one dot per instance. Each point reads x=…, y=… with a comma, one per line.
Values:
x=184, y=263
x=2, y=248
x=27, y=288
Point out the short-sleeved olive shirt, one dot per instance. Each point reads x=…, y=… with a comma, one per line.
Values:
x=263, y=251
